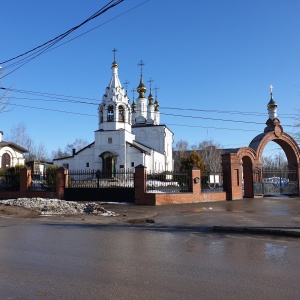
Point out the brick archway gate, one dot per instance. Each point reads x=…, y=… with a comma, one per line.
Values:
x=242, y=169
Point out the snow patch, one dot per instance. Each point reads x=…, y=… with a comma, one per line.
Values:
x=59, y=207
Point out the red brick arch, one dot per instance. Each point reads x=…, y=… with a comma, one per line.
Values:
x=240, y=164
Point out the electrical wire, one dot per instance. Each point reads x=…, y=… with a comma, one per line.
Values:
x=37, y=51
x=65, y=97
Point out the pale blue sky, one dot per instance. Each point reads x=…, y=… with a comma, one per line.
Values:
x=204, y=55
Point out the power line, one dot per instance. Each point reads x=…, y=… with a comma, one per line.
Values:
x=35, y=52
x=58, y=96
x=180, y=125
x=226, y=111
x=71, y=101
x=54, y=110
x=210, y=127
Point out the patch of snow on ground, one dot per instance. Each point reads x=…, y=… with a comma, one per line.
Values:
x=58, y=207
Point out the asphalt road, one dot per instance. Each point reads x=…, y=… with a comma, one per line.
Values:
x=169, y=252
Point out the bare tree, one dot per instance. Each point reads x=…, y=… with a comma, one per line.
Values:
x=276, y=162
x=210, y=153
x=19, y=136
x=78, y=144
x=179, y=151
x=297, y=126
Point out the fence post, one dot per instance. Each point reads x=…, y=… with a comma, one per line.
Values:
x=25, y=179
x=139, y=183
x=232, y=172
x=195, y=180
x=60, y=182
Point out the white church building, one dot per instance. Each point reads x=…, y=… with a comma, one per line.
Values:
x=127, y=135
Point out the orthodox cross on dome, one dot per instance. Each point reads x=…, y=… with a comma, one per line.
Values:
x=271, y=89
x=133, y=91
x=141, y=65
x=150, y=82
x=126, y=85
x=114, y=51
x=155, y=89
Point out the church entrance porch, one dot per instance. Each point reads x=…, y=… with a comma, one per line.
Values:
x=109, y=164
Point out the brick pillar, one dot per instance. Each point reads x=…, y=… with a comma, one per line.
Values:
x=140, y=184
x=196, y=180
x=25, y=179
x=298, y=180
x=232, y=175
x=60, y=182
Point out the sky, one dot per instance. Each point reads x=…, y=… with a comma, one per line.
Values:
x=212, y=61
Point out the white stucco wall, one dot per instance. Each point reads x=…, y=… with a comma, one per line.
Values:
x=16, y=157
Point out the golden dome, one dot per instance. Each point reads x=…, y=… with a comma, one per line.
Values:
x=114, y=64
x=141, y=89
x=150, y=98
x=156, y=105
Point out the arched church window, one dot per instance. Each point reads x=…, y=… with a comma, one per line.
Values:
x=121, y=113
x=5, y=164
x=101, y=116
x=110, y=113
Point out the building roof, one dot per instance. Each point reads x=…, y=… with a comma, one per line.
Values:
x=13, y=145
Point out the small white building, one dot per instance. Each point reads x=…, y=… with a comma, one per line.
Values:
x=11, y=154
x=127, y=135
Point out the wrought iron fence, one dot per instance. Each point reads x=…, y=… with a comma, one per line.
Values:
x=10, y=182
x=43, y=181
x=98, y=179
x=211, y=182
x=275, y=182
x=168, y=182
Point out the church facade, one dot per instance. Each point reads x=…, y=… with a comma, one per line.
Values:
x=128, y=134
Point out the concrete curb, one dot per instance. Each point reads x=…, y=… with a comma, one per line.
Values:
x=258, y=230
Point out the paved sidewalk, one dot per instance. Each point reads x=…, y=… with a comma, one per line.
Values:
x=271, y=216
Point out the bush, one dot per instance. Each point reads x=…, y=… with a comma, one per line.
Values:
x=12, y=176
x=51, y=177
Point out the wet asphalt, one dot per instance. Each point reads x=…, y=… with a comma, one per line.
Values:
x=266, y=216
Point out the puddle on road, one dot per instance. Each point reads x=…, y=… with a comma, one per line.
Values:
x=275, y=251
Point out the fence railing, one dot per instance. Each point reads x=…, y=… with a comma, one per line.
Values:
x=10, y=182
x=98, y=179
x=43, y=181
x=211, y=182
x=168, y=182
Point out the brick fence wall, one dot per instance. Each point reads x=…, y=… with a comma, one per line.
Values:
x=195, y=196
x=25, y=192
x=141, y=196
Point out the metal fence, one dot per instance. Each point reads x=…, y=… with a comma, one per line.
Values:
x=10, y=182
x=168, y=182
x=272, y=182
x=43, y=181
x=211, y=182
x=98, y=179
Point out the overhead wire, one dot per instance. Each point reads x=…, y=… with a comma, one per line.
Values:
x=58, y=98
x=37, y=51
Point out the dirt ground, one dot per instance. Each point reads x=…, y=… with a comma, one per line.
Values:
x=126, y=214
x=18, y=212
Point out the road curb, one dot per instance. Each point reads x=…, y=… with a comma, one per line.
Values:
x=258, y=230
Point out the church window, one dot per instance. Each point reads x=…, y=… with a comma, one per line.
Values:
x=109, y=140
x=87, y=165
x=5, y=161
x=132, y=164
x=101, y=116
x=121, y=113
x=121, y=166
x=110, y=113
